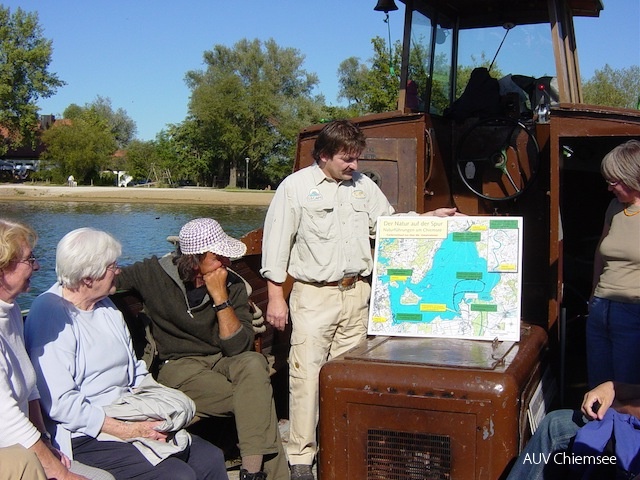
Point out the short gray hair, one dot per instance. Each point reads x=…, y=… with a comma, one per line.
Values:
x=622, y=164
x=85, y=253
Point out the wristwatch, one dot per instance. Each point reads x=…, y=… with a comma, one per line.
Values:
x=222, y=306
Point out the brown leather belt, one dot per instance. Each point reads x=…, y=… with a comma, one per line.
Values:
x=345, y=283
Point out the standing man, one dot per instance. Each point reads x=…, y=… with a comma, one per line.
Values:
x=318, y=230
x=203, y=330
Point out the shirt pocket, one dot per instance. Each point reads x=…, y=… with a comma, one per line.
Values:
x=360, y=219
x=317, y=223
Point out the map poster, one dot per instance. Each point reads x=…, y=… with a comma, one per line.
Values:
x=454, y=277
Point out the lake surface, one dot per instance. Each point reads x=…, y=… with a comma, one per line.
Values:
x=141, y=228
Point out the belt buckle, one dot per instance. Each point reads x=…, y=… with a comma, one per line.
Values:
x=344, y=287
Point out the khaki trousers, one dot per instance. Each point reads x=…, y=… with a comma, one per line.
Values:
x=238, y=385
x=19, y=463
x=326, y=322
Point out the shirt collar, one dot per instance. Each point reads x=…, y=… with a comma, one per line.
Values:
x=319, y=176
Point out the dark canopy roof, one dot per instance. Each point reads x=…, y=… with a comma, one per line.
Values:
x=486, y=13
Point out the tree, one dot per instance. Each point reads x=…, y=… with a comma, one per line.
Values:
x=352, y=76
x=78, y=147
x=372, y=89
x=24, y=77
x=118, y=122
x=250, y=102
x=383, y=82
x=100, y=112
x=84, y=141
x=613, y=88
x=139, y=158
x=186, y=154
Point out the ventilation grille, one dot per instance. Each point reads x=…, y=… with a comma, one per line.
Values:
x=407, y=456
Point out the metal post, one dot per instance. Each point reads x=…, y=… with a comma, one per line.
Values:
x=246, y=173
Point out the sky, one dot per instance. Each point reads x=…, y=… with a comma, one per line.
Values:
x=137, y=52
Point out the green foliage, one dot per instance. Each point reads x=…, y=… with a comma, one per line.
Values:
x=106, y=179
x=47, y=174
x=383, y=82
x=375, y=89
x=139, y=156
x=352, y=76
x=118, y=122
x=24, y=77
x=250, y=101
x=181, y=150
x=79, y=147
x=100, y=113
x=331, y=112
x=84, y=142
x=73, y=112
x=151, y=160
x=613, y=88
x=372, y=89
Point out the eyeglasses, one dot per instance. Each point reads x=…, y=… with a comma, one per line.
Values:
x=30, y=260
x=612, y=184
x=113, y=267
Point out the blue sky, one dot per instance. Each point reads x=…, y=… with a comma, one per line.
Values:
x=136, y=52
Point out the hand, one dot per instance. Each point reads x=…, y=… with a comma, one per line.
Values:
x=445, y=212
x=66, y=461
x=144, y=430
x=54, y=463
x=56, y=453
x=216, y=282
x=278, y=313
x=597, y=401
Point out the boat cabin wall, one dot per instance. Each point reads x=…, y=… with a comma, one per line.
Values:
x=401, y=156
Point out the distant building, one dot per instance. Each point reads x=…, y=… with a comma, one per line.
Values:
x=18, y=163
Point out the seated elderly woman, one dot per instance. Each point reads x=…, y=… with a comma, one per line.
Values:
x=87, y=371
x=25, y=446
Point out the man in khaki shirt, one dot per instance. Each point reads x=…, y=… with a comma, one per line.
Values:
x=318, y=230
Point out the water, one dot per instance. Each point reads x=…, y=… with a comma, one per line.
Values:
x=141, y=228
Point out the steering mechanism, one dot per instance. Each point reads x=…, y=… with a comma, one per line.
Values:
x=498, y=158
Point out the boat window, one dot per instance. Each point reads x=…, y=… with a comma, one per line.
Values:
x=422, y=66
x=527, y=51
x=442, y=70
x=419, y=61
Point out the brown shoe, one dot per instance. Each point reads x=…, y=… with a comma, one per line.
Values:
x=301, y=472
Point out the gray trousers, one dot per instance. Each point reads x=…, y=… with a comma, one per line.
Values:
x=238, y=385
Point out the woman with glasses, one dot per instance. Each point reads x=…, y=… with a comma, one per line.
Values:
x=23, y=429
x=613, y=326
x=85, y=364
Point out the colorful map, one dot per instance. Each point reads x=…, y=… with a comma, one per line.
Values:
x=455, y=277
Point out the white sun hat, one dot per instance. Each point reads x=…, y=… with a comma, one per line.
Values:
x=206, y=235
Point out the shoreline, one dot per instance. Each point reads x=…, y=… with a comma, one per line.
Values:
x=180, y=195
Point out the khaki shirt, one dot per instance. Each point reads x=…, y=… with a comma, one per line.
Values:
x=319, y=230
x=620, y=251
